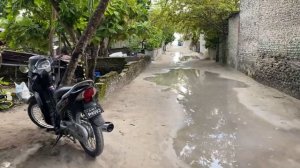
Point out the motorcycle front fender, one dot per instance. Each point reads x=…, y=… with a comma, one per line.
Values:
x=36, y=97
x=31, y=98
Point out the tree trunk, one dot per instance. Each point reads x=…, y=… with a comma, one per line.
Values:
x=0, y=57
x=52, y=31
x=92, y=62
x=217, y=53
x=93, y=24
x=66, y=40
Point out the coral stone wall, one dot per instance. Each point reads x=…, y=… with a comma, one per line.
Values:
x=268, y=43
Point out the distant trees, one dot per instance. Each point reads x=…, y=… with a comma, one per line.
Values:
x=192, y=17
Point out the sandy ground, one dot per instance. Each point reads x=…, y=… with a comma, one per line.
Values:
x=146, y=117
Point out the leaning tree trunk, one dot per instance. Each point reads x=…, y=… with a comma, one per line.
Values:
x=93, y=61
x=93, y=24
x=104, y=47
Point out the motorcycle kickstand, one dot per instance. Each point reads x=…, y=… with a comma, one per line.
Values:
x=57, y=139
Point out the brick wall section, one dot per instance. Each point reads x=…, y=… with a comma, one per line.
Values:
x=269, y=43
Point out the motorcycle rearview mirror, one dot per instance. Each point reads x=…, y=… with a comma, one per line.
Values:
x=24, y=69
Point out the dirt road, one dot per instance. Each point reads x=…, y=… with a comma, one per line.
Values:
x=180, y=112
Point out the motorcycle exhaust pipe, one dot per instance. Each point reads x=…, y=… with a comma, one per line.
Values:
x=108, y=127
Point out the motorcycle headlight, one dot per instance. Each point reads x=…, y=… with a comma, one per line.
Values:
x=44, y=65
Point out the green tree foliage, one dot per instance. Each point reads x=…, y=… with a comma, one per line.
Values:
x=29, y=34
x=26, y=24
x=155, y=38
x=34, y=18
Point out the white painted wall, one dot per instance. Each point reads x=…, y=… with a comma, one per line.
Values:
x=202, y=45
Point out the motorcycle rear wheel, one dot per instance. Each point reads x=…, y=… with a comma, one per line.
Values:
x=95, y=137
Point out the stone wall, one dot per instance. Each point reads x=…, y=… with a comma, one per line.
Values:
x=248, y=36
x=278, y=63
x=268, y=43
x=112, y=81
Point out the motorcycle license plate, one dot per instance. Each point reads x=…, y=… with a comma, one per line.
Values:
x=91, y=110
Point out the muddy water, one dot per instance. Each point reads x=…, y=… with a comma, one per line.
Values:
x=218, y=131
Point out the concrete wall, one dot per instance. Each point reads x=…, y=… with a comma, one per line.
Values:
x=187, y=43
x=233, y=40
x=154, y=53
x=212, y=53
x=268, y=43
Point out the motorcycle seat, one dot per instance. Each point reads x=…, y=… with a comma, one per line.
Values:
x=61, y=91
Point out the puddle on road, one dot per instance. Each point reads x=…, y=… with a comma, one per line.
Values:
x=178, y=57
x=218, y=131
x=207, y=139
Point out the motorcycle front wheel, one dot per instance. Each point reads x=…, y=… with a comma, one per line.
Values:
x=94, y=146
x=36, y=116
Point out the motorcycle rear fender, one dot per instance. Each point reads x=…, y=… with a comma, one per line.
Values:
x=78, y=109
x=97, y=120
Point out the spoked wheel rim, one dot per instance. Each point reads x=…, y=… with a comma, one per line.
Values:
x=38, y=116
x=95, y=142
x=91, y=144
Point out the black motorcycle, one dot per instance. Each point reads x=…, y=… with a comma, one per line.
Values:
x=73, y=111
